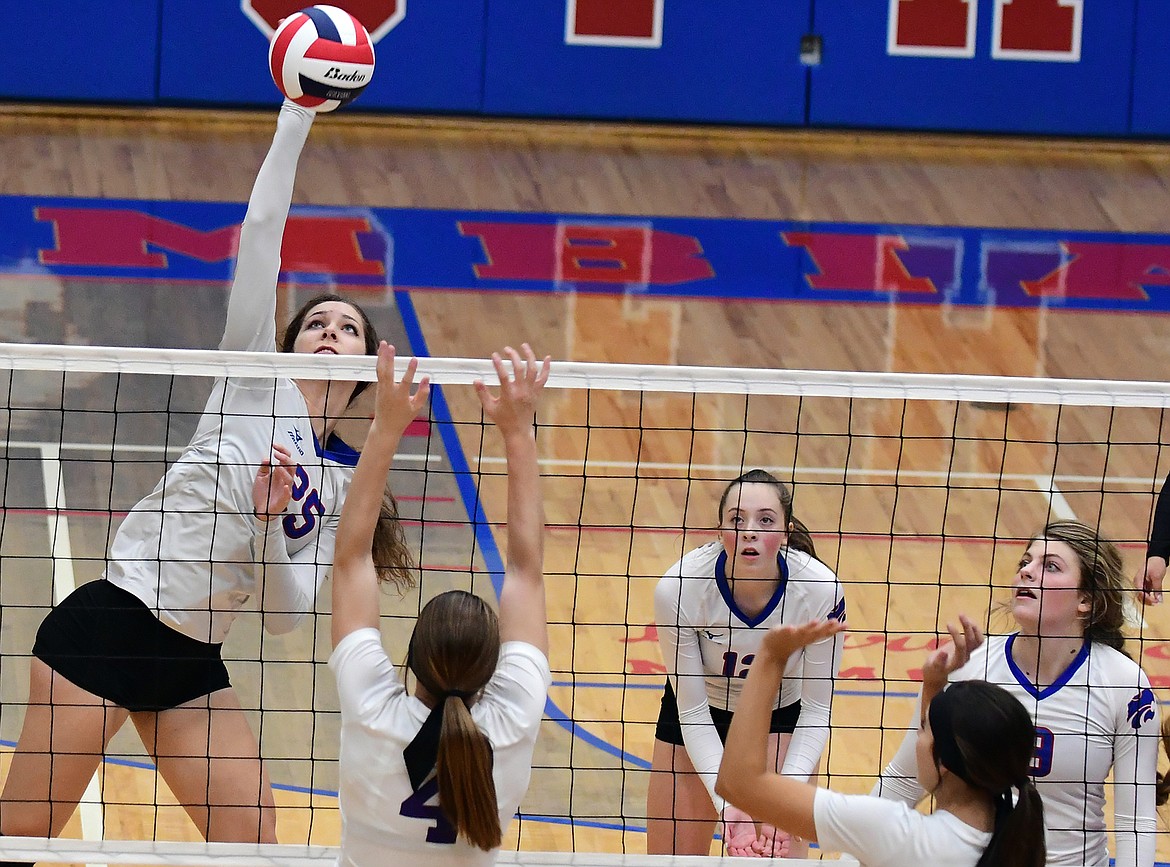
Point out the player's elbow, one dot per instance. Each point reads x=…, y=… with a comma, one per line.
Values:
x=730, y=784
x=724, y=788
x=280, y=623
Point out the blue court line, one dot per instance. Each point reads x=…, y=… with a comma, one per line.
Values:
x=863, y=693
x=471, y=502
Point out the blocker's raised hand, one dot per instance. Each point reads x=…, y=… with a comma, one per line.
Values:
x=515, y=407
x=395, y=406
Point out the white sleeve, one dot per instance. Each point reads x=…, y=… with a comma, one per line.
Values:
x=364, y=673
x=820, y=664
x=251, y=315
x=898, y=781
x=862, y=826
x=287, y=587
x=679, y=643
x=1135, y=766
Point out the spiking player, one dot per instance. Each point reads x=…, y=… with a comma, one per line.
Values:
x=1092, y=705
x=249, y=510
x=712, y=609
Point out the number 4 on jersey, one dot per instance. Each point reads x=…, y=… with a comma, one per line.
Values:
x=1044, y=30
x=416, y=807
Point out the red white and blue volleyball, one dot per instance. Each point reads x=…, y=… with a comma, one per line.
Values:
x=321, y=57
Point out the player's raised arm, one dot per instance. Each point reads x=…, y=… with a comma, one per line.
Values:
x=251, y=315
x=523, y=615
x=355, y=581
x=745, y=778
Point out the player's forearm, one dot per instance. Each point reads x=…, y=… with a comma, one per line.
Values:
x=252, y=302
x=285, y=590
x=745, y=754
x=525, y=505
x=1160, y=532
x=363, y=500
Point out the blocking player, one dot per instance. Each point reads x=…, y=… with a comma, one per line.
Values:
x=435, y=777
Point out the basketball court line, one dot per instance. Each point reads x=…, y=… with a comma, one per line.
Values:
x=729, y=471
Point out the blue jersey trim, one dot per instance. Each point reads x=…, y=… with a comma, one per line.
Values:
x=725, y=590
x=1055, y=686
x=336, y=450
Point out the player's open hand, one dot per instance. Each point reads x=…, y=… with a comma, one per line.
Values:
x=395, y=406
x=1148, y=581
x=781, y=642
x=954, y=655
x=772, y=842
x=272, y=488
x=740, y=837
x=514, y=410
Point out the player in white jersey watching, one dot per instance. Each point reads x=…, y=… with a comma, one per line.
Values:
x=249, y=510
x=434, y=778
x=973, y=746
x=1092, y=705
x=712, y=609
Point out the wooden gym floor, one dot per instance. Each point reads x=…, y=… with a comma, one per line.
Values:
x=902, y=581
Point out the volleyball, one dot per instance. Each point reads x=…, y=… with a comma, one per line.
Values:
x=321, y=57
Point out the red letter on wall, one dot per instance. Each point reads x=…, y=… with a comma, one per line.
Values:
x=1037, y=30
x=864, y=263
x=621, y=23
x=1106, y=271
x=120, y=239
x=128, y=239
x=618, y=255
x=932, y=28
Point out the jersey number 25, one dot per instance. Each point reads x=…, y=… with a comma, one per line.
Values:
x=296, y=526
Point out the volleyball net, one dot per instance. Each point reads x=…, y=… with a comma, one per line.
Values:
x=921, y=492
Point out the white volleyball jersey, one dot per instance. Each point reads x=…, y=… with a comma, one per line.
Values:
x=881, y=833
x=708, y=645
x=1100, y=715
x=192, y=549
x=383, y=817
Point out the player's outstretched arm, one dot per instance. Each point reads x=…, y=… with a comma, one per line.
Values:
x=523, y=613
x=355, y=579
x=745, y=779
x=251, y=319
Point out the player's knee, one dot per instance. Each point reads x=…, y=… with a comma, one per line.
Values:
x=242, y=825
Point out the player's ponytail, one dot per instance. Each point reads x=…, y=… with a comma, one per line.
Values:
x=467, y=792
x=799, y=536
x=1014, y=840
x=453, y=653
